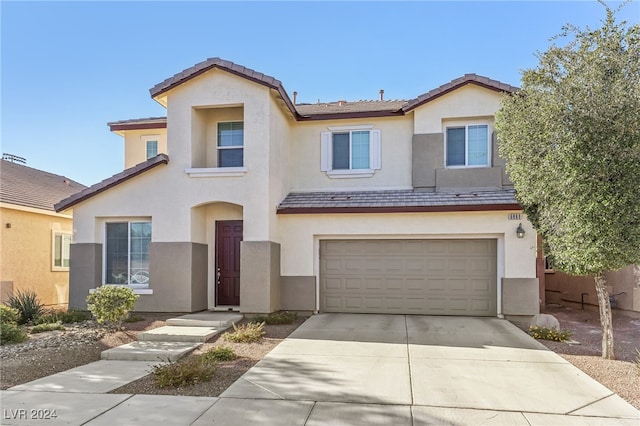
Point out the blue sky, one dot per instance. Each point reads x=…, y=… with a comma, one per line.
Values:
x=68, y=68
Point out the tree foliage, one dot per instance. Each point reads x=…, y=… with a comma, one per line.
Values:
x=571, y=138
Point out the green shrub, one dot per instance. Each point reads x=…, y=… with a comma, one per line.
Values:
x=221, y=353
x=110, y=304
x=11, y=333
x=133, y=318
x=8, y=315
x=65, y=317
x=41, y=328
x=247, y=333
x=545, y=333
x=28, y=305
x=183, y=373
x=280, y=317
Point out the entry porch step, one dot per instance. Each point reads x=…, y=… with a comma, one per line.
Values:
x=206, y=319
x=172, y=333
x=150, y=351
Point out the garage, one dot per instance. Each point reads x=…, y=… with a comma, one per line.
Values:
x=425, y=277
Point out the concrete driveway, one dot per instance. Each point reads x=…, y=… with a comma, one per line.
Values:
x=415, y=370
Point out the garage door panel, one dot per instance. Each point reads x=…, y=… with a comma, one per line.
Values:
x=431, y=277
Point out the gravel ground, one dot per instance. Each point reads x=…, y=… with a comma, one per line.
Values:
x=59, y=351
x=226, y=372
x=622, y=375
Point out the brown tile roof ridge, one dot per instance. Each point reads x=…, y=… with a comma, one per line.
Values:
x=111, y=182
x=324, y=111
x=456, y=83
x=28, y=187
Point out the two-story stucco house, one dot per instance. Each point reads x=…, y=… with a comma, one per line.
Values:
x=241, y=199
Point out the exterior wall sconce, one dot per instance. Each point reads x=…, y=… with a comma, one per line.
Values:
x=520, y=231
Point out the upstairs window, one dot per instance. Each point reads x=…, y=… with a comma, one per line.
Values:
x=467, y=146
x=231, y=144
x=350, y=151
x=152, y=148
x=61, y=249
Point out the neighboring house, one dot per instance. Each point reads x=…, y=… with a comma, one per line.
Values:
x=241, y=199
x=34, y=239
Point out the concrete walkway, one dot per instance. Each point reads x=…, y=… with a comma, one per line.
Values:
x=368, y=369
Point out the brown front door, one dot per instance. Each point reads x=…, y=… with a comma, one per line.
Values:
x=228, y=237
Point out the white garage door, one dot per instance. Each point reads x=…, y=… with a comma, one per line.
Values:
x=427, y=277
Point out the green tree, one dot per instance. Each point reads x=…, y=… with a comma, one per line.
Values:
x=571, y=138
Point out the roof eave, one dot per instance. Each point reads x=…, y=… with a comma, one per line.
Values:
x=401, y=209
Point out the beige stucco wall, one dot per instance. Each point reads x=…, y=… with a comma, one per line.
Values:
x=470, y=101
x=300, y=242
x=396, y=136
x=135, y=146
x=26, y=252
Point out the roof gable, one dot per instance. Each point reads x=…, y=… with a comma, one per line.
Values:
x=476, y=79
x=29, y=187
x=109, y=183
x=228, y=66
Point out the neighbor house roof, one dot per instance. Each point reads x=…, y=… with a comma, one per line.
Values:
x=28, y=187
x=393, y=201
x=114, y=180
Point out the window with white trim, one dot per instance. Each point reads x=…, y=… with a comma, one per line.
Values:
x=61, y=250
x=351, y=151
x=467, y=146
x=126, y=255
x=152, y=148
x=231, y=144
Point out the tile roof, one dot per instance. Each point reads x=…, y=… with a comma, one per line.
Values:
x=345, y=107
x=396, y=201
x=454, y=84
x=138, y=123
x=329, y=110
x=29, y=187
x=111, y=182
x=225, y=65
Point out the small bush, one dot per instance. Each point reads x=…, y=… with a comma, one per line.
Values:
x=65, y=317
x=41, y=328
x=281, y=317
x=11, y=333
x=134, y=318
x=28, y=305
x=8, y=315
x=183, y=373
x=221, y=353
x=545, y=333
x=247, y=333
x=111, y=304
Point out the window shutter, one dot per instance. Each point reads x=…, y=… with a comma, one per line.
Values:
x=325, y=151
x=375, y=147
